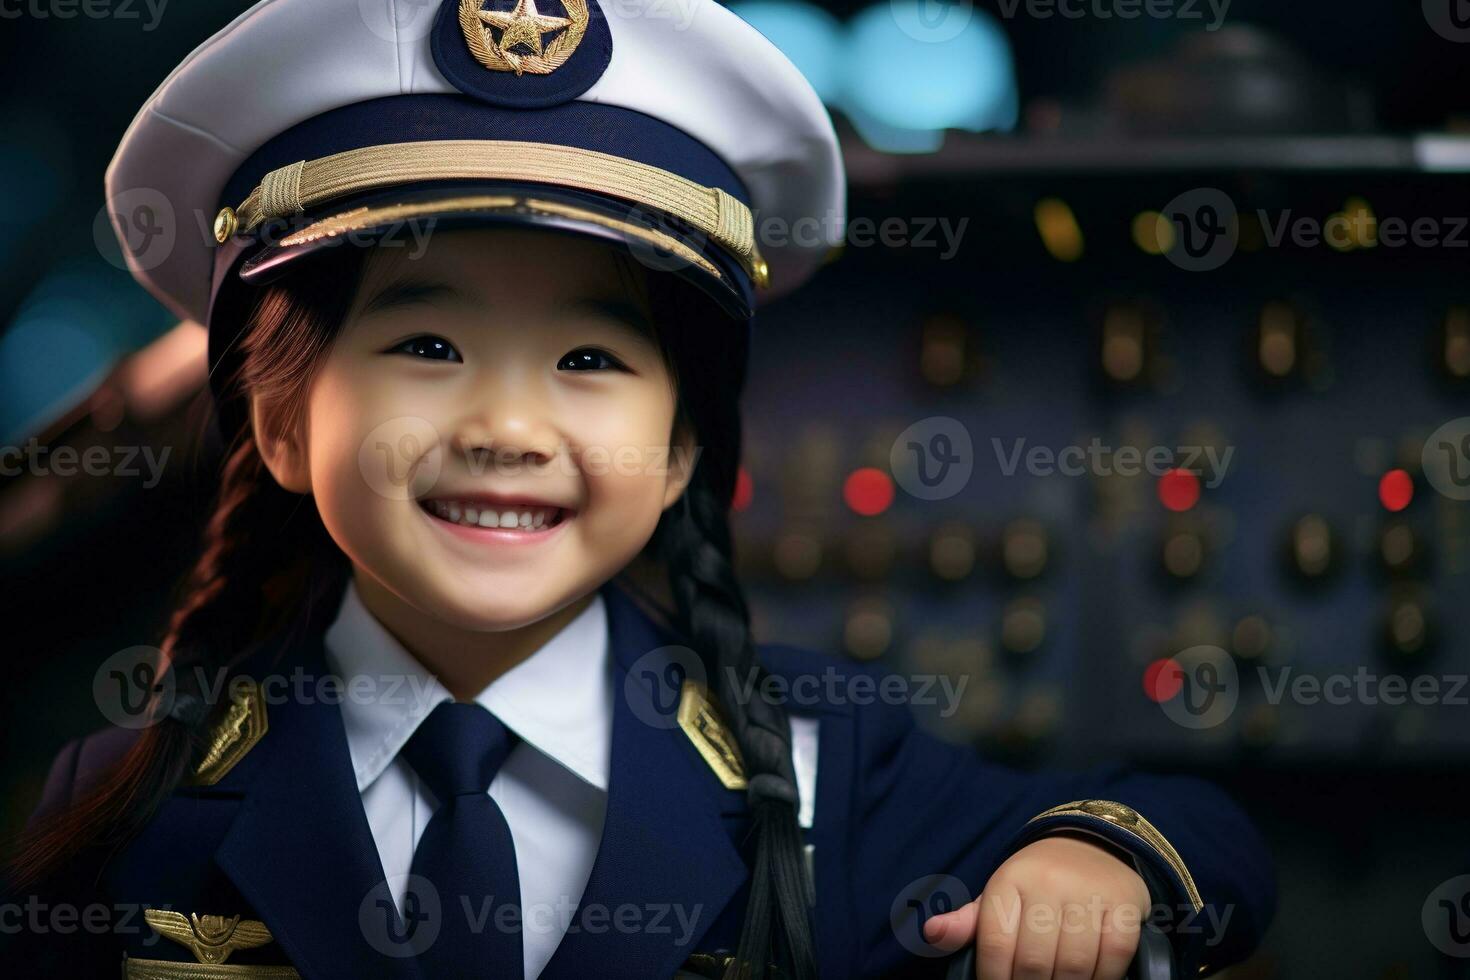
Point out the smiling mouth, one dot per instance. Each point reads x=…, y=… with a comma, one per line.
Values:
x=466, y=513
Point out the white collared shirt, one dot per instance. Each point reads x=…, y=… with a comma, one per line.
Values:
x=552, y=787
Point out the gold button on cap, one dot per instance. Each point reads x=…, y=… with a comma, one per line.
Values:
x=225, y=224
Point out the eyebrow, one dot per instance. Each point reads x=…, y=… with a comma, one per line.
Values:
x=622, y=311
x=407, y=291
x=404, y=292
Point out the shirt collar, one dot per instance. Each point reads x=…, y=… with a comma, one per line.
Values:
x=559, y=700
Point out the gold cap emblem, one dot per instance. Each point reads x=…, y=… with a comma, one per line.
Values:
x=522, y=47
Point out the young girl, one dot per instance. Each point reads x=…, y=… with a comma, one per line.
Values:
x=462, y=683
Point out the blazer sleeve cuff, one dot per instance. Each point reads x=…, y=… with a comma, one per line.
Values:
x=1172, y=891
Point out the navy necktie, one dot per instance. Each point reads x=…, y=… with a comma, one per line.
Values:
x=466, y=853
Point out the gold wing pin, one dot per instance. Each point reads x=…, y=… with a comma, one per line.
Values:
x=243, y=725
x=211, y=938
x=522, y=27
x=701, y=721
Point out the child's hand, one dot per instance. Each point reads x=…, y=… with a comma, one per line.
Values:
x=1060, y=908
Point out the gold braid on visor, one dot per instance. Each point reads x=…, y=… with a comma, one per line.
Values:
x=292, y=189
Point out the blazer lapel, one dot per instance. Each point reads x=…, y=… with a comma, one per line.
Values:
x=301, y=851
x=664, y=848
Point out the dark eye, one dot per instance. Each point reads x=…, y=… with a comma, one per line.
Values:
x=589, y=359
x=428, y=346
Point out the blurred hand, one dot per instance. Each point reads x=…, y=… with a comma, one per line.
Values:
x=1061, y=908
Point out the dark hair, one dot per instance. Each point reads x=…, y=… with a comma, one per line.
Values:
x=268, y=564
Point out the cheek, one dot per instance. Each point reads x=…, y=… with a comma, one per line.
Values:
x=365, y=452
x=624, y=461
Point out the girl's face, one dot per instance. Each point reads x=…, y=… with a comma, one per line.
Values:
x=489, y=436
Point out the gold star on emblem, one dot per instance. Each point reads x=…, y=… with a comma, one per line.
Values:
x=522, y=25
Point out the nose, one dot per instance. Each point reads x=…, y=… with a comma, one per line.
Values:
x=507, y=425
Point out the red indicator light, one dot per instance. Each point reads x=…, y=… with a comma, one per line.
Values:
x=868, y=491
x=744, y=489
x=1395, y=490
x=1162, y=679
x=1178, y=489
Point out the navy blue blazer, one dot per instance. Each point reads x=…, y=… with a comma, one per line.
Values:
x=282, y=838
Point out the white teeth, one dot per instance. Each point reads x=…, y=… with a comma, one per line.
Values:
x=522, y=519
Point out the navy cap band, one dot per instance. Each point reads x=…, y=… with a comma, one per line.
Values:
x=595, y=126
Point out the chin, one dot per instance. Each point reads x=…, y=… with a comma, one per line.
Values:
x=491, y=610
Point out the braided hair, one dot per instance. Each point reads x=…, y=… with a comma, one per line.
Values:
x=268, y=563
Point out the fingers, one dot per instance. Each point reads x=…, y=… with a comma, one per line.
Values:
x=953, y=930
x=1077, y=947
x=1037, y=941
x=1117, y=942
x=1000, y=926
x=1040, y=938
